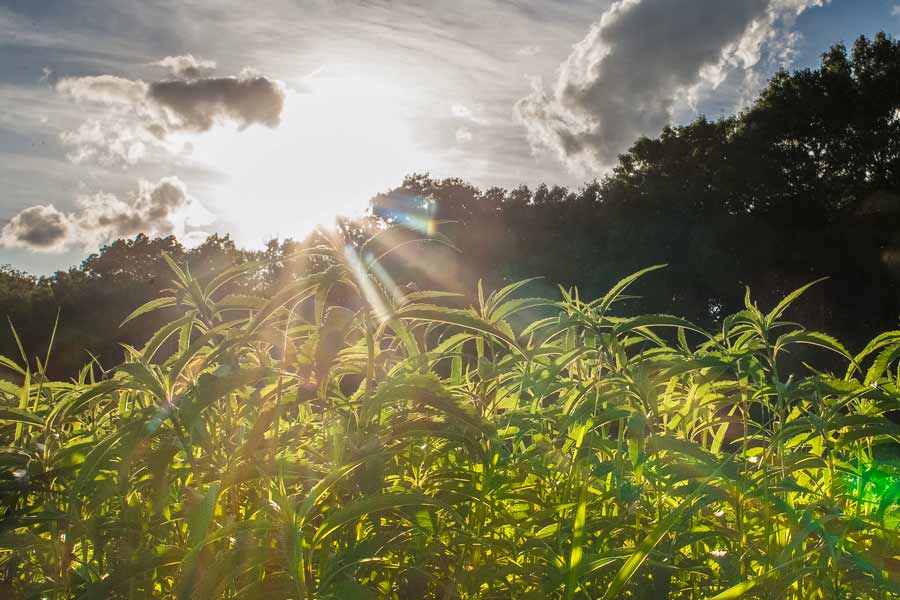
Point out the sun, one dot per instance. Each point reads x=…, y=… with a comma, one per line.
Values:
x=341, y=140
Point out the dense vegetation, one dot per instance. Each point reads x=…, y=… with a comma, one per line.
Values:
x=308, y=421
x=345, y=438
x=803, y=184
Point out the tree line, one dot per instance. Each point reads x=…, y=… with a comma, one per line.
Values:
x=802, y=184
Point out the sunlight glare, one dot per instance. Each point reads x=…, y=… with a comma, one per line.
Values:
x=340, y=142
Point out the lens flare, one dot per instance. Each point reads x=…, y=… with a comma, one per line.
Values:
x=366, y=285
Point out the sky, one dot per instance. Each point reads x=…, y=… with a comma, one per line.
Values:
x=264, y=119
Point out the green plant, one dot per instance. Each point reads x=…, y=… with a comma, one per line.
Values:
x=394, y=445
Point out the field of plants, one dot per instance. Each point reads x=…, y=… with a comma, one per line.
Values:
x=348, y=439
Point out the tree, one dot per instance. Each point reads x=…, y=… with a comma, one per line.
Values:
x=802, y=184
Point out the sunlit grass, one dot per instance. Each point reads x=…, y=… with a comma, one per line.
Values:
x=393, y=445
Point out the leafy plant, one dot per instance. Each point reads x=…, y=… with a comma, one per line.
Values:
x=345, y=438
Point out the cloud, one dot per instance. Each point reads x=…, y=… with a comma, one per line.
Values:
x=109, y=141
x=152, y=210
x=895, y=10
x=130, y=118
x=156, y=209
x=46, y=75
x=198, y=104
x=529, y=51
x=40, y=227
x=463, y=135
x=104, y=89
x=461, y=111
x=640, y=62
x=186, y=66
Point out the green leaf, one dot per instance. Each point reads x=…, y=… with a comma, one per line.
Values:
x=233, y=272
x=604, y=303
x=495, y=299
x=180, y=275
x=368, y=505
x=881, y=364
x=453, y=316
x=788, y=300
x=96, y=458
x=19, y=415
x=198, y=530
x=150, y=306
x=9, y=364
x=576, y=554
x=161, y=335
x=513, y=306
x=738, y=590
x=812, y=338
x=395, y=237
x=650, y=321
x=659, y=531
x=143, y=375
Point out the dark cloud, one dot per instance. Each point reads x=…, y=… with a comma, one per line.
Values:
x=637, y=63
x=155, y=209
x=136, y=117
x=39, y=227
x=199, y=103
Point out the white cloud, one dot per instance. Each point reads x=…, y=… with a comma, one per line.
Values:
x=156, y=209
x=104, y=89
x=463, y=135
x=187, y=66
x=529, y=51
x=895, y=11
x=108, y=142
x=640, y=62
x=461, y=111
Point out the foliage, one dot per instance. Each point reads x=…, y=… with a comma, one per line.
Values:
x=805, y=183
x=104, y=288
x=391, y=444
